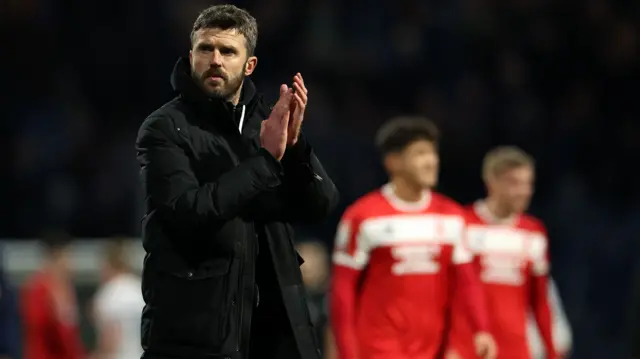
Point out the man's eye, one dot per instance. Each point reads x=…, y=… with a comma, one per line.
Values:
x=206, y=48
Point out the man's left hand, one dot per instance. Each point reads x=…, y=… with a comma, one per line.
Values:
x=485, y=346
x=297, y=108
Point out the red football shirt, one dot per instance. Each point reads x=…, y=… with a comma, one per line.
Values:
x=50, y=320
x=511, y=257
x=391, y=279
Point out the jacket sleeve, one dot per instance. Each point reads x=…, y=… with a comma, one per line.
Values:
x=307, y=193
x=172, y=188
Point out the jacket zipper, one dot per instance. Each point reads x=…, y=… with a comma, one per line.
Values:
x=240, y=301
x=234, y=120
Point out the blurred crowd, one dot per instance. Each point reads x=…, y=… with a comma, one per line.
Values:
x=557, y=78
x=45, y=317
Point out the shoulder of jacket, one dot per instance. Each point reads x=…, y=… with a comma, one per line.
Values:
x=166, y=121
x=175, y=109
x=157, y=122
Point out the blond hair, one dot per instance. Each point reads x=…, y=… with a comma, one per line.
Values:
x=116, y=254
x=504, y=158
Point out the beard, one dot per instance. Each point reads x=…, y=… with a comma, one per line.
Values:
x=224, y=88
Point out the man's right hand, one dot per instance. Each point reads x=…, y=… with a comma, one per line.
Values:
x=273, y=130
x=485, y=345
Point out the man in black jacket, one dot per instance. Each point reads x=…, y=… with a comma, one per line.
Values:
x=223, y=179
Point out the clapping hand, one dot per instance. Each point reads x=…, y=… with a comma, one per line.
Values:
x=296, y=109
x=274, y=130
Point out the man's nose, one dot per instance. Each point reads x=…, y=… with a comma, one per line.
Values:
x=216, y=58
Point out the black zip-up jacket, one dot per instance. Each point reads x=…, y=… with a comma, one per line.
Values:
x=217, y=206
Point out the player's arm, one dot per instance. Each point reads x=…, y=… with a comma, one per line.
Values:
x=469, y=287
x=561, y=328
x=539, y=293
x=350, y=256
x=39, y=313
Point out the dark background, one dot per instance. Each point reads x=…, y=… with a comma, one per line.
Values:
x=558, y=78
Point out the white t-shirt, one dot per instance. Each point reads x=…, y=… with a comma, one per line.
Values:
x=120, y=302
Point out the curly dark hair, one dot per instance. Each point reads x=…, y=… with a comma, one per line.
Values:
x=399, y=132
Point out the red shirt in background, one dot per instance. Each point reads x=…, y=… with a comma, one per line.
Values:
x=392, y=276
x=511, y=257
x=50, y=316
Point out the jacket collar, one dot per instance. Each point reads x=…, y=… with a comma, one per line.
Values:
x=183, y=83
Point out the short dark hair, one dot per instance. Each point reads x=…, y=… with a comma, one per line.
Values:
x=228, y=17
x=399, y=132
x=55, y=242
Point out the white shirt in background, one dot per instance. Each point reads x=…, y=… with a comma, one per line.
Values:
x=120, y=302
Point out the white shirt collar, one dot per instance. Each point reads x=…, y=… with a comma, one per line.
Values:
x=388, y=191
x=482, y=210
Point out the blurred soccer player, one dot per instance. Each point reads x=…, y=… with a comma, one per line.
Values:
x=396, y=250
x=510, y=251
x=118, y=306
x=315, y=276
x=49, y=307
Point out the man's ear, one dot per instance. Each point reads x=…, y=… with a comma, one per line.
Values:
x=391, y=162
x=250, y=66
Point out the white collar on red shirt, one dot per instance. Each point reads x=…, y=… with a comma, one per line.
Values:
x=482, y=210
x=388, y=191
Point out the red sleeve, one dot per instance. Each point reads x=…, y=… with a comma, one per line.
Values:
x=349, y=257
x=468, y=284
x=35, y=318
x=469, y=287
x=539, y=291
x=40, y=319
x=542, y=311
